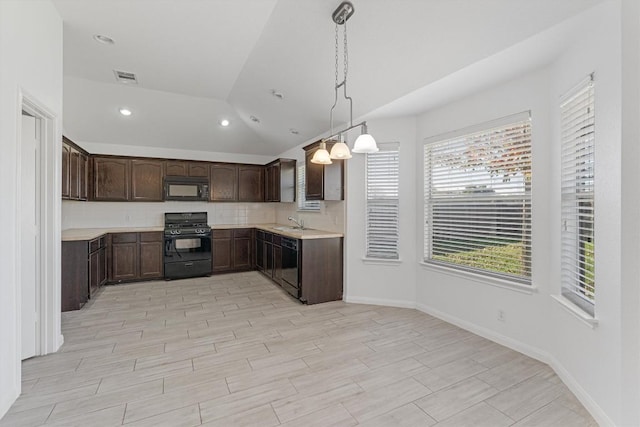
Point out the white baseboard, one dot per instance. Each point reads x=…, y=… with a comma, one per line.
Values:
x=380, y=301
x=594, y=409
x=587, y=401
x=6, y=400
x=516, y=345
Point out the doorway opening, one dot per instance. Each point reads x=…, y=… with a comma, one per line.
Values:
x=38, y=232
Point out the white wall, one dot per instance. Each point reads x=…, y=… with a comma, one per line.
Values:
x=33, y=66
x=378, y=282
x=589, y=360
x=171, y=153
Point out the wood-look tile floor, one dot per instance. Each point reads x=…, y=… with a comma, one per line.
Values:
x=235, y=350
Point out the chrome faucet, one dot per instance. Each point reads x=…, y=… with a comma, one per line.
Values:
x=297, y=221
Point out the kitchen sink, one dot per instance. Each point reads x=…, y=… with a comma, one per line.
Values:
x=287, y=228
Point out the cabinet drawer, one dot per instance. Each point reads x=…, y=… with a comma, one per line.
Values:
x=152, y=236
x=221, y=234
x=124, y=237
x=242, y=232
x=259, y=235
x=268, y=237
x=277, y=239
x=97, y=243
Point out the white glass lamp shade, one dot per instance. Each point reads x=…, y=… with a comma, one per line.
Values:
x=365, y=144
x=340, y=151
x=321, y=156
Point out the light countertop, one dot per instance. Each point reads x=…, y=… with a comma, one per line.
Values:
x=74, y=234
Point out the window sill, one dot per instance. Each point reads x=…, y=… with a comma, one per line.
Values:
x=479, y=278
x=381, y=261
x=574, y=310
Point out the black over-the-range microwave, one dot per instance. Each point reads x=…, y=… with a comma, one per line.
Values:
x=186, y=188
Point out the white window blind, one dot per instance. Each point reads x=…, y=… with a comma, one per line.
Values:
x=382, y=216
x=477, y=188
x=303, y=204
x=578, y=161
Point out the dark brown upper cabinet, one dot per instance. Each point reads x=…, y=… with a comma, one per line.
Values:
x=75, y=167
x=224, y=182
x=280, y=181
x=66, y=154
x=186, y=168
x=146, y=180
x=323, y=182
x=250, y=183
x=111, y=180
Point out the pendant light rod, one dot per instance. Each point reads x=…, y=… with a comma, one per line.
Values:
x=361, y=124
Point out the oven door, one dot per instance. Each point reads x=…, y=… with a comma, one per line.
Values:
x=187, y=248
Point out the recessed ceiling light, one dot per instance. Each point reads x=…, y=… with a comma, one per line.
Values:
x=103, y=39
x=277, y=94
x=294, y=131
x=254, y=119
x=125, y=111
x=224, y=122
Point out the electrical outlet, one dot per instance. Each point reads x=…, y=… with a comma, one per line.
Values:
x=501, y=316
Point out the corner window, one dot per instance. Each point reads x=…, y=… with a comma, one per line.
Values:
x=383, y=200
x=577, y=124
x=477, y=199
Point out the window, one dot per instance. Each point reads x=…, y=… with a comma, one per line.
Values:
x=477, y=189
x=382, y=180
x=303, y=204
x=578, y=146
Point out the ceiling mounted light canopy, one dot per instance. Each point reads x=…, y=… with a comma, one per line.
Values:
x=365, y=142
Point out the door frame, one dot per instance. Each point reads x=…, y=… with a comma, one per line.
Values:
x=48, y=333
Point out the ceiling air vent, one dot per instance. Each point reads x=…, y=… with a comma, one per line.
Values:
x=126, y=77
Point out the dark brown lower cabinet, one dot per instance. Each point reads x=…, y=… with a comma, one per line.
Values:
x=151, y=255
x=136, y=256
x=84, y=267
x=320, y=266
x=320, y=270
x=231, y=250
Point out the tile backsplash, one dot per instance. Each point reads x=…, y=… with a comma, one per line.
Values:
x=132, y=214
x=330, y=217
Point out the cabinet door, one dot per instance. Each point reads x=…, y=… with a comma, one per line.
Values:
x=124, y=261
x=102, y=274
x=221, y=250
x=94, y=273
x=259, y=251
x=272, y=185
x=224, y=183
x=314, y=178
x=176, y=168
x=250, y=183
x=111, y=179
x=277, y=264
x=151, y=260
x=242, y=251
x=146, y=180
x=66, y=153
x=287, y=180
x=74, y=176
x=198, y=169
x=83, y=176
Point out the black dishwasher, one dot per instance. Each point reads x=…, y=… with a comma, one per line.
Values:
x=290, y=280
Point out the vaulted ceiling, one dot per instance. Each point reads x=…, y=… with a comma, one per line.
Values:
x=198, y=61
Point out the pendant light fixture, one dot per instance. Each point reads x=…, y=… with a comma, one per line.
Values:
x=365, y=142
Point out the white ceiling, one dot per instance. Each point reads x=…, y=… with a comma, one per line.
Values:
x=198, y=61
